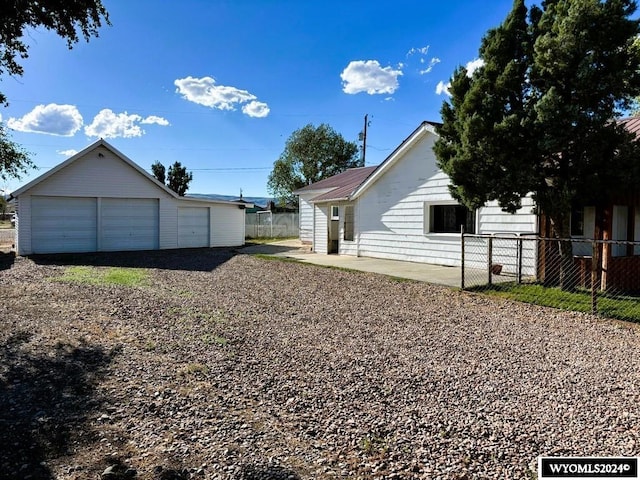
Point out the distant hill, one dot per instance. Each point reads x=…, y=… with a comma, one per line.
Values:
x=260, y=201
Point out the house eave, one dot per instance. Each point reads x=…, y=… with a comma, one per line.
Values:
x=423, y=129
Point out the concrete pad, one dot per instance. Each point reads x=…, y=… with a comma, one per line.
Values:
x=423, y=272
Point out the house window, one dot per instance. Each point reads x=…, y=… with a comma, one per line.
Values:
x=348, y=223
x=577, y=222
x=335, y=212
x=449, y=219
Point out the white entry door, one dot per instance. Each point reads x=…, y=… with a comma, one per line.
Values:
x=193, y=227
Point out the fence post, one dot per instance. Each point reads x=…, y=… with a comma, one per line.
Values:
x=489, y=259
x=595, y=262
x=462, y=260
x=519, y=260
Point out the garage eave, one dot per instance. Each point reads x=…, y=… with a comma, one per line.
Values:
x=82, y=153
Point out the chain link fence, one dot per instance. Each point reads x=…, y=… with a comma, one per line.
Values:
x=271, y=225
x=596, y=276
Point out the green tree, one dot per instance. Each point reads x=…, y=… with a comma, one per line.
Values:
x=310, y=154
x=158, y=171
x=70, y=20
x=539, y=116
x=14, y=160
x=178, y=179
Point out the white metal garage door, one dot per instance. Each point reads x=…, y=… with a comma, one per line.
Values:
x=193, y=227
x=129, y=224
x=63, y=224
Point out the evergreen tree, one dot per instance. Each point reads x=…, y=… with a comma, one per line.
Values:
x=178, y=179
x=158, y=171
x=539, y=116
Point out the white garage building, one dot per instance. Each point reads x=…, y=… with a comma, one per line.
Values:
x=99, y=200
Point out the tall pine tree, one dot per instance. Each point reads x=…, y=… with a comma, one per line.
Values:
x=539, y=116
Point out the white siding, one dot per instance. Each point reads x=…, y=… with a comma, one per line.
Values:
x=390, y=221
x=23, y=227
x=168, y=223
x=391, y=212
x=96, y=176
x=227, y=226
x=491, y=219
x=305, y=208
x=321, y=229
x=105, y=177
x=619, y=227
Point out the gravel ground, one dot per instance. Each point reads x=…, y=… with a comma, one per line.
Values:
x=233, y=367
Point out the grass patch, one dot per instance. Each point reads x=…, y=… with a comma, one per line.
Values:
x=5, y=224
x=129, y=277
x=619, y=307
x=266, y=256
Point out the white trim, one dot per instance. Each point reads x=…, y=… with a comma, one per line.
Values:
x=426, y=217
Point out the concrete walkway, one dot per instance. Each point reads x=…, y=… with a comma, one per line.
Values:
x=422, y=272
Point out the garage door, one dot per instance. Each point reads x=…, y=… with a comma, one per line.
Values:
x=63, y=224
x=193, y=227
x=129, y=224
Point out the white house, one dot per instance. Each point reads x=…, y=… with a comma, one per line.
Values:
x=400, y=210
x=100, y=200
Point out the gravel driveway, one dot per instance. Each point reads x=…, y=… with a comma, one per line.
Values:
x=235, y=367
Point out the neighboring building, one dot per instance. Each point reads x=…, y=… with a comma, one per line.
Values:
x=400, y=210
x=100, y=200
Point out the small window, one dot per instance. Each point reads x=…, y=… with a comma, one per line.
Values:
x=577, y=222
x=450, y=219
x=348, y=223
x=335, y=212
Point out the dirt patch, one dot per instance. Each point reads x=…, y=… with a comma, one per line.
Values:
x=233, y=367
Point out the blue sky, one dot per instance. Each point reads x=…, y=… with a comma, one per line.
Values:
x=220, y=85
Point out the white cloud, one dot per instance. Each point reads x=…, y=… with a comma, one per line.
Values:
x=256, y=109
x=52, y=119
x=473, y=65
x=107, y=124
x=420, y=50
x=151, y=119
x=204, y=91
x=368, y=76
x=443, y=88
x=67, y=153
x=432, y=63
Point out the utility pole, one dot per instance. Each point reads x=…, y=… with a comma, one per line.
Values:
x=364, y=139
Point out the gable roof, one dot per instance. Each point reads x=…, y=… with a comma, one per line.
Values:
x=423, y=129
x=82, y=153
x=350, y=184
x=340, y=180
x=125, y=159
